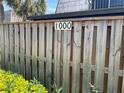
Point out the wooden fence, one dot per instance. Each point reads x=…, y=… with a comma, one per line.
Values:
x=92, y=53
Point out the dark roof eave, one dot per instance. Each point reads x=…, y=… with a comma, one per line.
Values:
x=81, y=14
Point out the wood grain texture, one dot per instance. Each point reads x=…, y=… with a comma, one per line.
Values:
x=34, y=50
x=16, y=48
x=66, y=60
x=49, y=55
x=87, y=59
x=2, y=46
x=28, y=47
x=76, y=57
x=11, y=47
x=100, y=54
x=123, y=83
x=6, y=47
x=114, y=58
x=22, y=50
x=57, y=45
x=16, y=44
x=23, y=44
x=41, y=52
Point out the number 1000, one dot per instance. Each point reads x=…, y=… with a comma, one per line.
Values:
x=63, y=25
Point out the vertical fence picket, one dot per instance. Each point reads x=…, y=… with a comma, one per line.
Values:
x=22, y=50
x=76, y=57
x=11, y=47
x=87, y=59
x=28, y=47
x=6, y=47
x=114, y=60
x=17, y=64
x=57, y=46
x=41, y=52
x=123, y=83
x=100, y=54
x=49, y=54
x=61, y=58
x=34, y=50
x=66, y=60
x=2, y=46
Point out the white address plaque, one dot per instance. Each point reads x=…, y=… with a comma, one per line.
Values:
x=63, y=25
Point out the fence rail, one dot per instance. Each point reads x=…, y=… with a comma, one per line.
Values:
x=92, y=52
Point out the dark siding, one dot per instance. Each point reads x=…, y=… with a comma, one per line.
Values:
x=97, y=4
x=117, y=3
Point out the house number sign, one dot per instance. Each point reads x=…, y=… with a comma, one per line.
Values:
x=63, y=25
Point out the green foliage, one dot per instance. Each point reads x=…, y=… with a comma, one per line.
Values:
x=94, y=89
x=56, y=89
x=13, y=83
x=26, y=8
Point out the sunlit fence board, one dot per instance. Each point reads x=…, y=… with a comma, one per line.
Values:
x=88, y=42
x=41, y=52
x=6, y=46
x=66, y=57
x=34, y=50
x=2, y=45
x=100, y=53
x=22, y=49
x=123, y=83
x=28, y=54
x=57, y=45
x=49, y=54
x=115, y=49
x=76, y=57
x=16, y=48
x=11, y=47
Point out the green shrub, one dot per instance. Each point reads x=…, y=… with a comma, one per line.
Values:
x=13, y=83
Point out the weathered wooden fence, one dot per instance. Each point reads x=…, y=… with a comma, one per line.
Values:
x=93, y=52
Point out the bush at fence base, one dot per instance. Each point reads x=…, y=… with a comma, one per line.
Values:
x=13, y=83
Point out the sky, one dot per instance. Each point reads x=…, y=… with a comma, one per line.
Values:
x=51, y=6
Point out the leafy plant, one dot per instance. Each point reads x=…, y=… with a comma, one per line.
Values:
x=14, y=83
x=56, y=89
x=26, y=8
